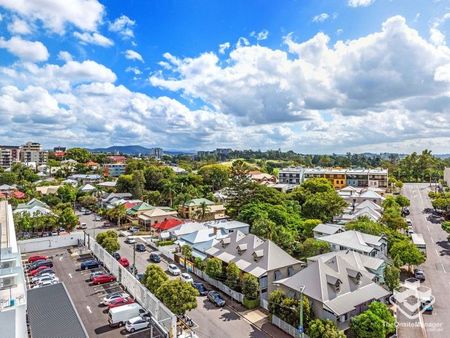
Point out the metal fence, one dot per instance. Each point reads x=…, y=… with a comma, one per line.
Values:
x=161, y=314
x=222, y=287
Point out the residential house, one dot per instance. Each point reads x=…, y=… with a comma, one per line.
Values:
x=201, y=240
x=374, y=266
x=327, y=229
x=229, y=226
x=337, y=289
x=178, y=170
x=113, y=169
x=110, y=200
x=33, y=208
x=262, y=178
x=167, y=225
x=260, y=258
x=137, y=210
x=156, y=215
x=87, y=188
x=108, y=184
x=86, y=178
x=201, y=209
x=368, y=212
x=187, y=228
x=48, y=189
x=370, y=245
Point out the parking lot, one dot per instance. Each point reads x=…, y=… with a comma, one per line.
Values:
x=87, y=297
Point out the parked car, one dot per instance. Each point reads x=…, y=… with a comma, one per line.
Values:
x=45, y=283
x=95, y=274
x=405, y=211
x=116, y=255
x=124, y=262
x=46, y=279
x=115, y=295
x=216, y=298
x=35, y=258
x=185, y=277
x=36, y=271
x=43, y=277
x=140, y=247
x=87, y=212
x=97, y=218
x=102, y=279
x=120, y=301
x=408, y=221
x=174, y=270
x=89, y=264
x=139, y=276
x=419, y=274
x=133, y=229
x=133, y=269
x=137, y=323
x=426, y=305
x=410, y=231
x=200, y=288
x=83, y=226
x=48, y=263
x=120, y=315
x=130, y=240
x=155, y=257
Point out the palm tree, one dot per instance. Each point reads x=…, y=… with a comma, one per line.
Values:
x=117, y=213
x=169, y=190
x=203, y=208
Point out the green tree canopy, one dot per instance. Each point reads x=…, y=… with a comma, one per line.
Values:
x=392, y=277
x=313, y=247
x=215, y=175
x=154, y=277
x=407, y=252
x=233, y=276
x=319, y=328
x=178, y=296
x=250, y=286
x=111, y=244
x=78, y=154
x=214, y=268
x=368, y=325
x=365, y=225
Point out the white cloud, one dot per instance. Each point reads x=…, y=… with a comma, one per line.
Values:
x=133, y=55
x=437, y=38
x=34, y=51
x=242, y=42
x=223, y=47
x=65, y=56
x=321, y=17
x=124, y=26
x=56, y=14
x=360, y=3
x=134, y=70
x=94, y=38
x=19, y=26
x=260, y=36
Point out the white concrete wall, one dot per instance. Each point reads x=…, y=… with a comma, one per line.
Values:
x=52, y=242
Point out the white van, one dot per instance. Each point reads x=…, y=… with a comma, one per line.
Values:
x=419, y=242
x=118, y=316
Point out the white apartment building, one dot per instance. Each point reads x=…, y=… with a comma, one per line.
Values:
x=13, y=304
x=8, y=156
x=32, y=152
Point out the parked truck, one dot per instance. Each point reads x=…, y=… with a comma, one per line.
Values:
x=419, y=242
x=118, y=316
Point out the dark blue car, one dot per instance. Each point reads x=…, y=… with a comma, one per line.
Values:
x=90, y=264
x=201, y=289
x=216, y=299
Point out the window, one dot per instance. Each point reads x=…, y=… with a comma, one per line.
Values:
x=278, y=275
x=291, y=271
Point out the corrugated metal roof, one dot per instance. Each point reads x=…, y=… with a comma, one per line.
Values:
x=52, y=314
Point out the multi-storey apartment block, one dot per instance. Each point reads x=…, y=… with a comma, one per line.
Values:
x=8, y=156
x=113, y=169
x=339, y=178
x=33, y=152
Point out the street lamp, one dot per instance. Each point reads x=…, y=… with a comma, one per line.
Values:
x=300, y=327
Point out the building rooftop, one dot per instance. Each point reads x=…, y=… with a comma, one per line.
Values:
x=52, y=314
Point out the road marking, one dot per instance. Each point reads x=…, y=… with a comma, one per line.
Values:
x=60, y=258
x=432, y=238
x=88, y=308
x=443, y=268
x=428, y=227
x=437, y=252
x=70, y=275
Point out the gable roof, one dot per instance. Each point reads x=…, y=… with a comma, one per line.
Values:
x=328, y=228
x=320, y=277
x=88, y=187
x=198, y=201
x=353, y=257
x=32, y=203
x=6, y=187
x=157, y=212
x=368, y=204
x=189, y=227
x=168, y=224
x=371, y=194
x=251, y=254
x=354, y=240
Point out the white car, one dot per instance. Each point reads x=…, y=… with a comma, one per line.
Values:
x=130, y=240
x=47, y=279
x=108, y=299
x=43, y=276
x=45, y=283
x=185, y=277
x=136, y=323
x=174, y=270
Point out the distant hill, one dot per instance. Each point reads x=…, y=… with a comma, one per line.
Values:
x=135, y=150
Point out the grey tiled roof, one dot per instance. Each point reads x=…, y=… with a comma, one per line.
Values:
x=52, y=314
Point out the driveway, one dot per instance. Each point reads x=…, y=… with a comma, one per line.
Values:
x=436, y=267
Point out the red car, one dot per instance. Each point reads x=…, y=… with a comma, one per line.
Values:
x=120, y=301
x=32, y=259
x=124, y=262
x=36, y=271
x=102, y=279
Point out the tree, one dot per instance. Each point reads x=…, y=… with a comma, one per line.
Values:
x=137, y=184
x=67, y=193
x=186, y=251
x=118, y=213
x=250, y=286
x=78, y=154
x=402, y=201
x=407, y=252
x=87, y=201
x=393, y=219
x=446, y=227
x=103, y=235
x=319, y=328
x=178, y=296
x=288, y=309
x=313, y=247
x=215, y=175
x=365, y=225
x=392, y=277
x=214, y=268
x=240, y=187
x=382, y=311
x=111, y=244
x=154, y=277
x=233, y=276
x=124, y=183
x=67, y=219
x=368, y=325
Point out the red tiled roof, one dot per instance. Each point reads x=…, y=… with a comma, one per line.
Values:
x=167, y=224
x=117, y=158
x=129, y=205
x=2, y=195
x=18, y=194
x=91, y=164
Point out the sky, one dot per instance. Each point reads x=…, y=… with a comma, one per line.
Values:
x=313, y=76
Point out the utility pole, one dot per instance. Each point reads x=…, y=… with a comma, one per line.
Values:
x=300, y=327
x=134, y=259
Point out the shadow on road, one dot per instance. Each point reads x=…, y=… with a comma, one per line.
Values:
x=445, y=245
x=227, y=316
x=103, y=329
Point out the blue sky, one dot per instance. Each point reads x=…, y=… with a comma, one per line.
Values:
x=312, y=76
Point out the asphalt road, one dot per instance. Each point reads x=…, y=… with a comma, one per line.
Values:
x=212, y=322
x=436, y=267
